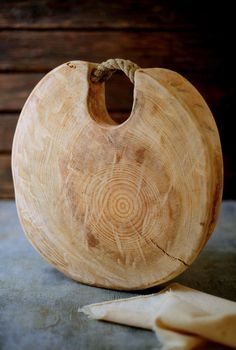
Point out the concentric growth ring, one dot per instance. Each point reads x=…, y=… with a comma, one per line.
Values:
x=122, y=203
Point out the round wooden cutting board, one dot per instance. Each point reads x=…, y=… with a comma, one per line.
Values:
x=123, y=206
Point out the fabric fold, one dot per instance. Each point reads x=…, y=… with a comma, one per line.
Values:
x=182, y=317
x=181, y=325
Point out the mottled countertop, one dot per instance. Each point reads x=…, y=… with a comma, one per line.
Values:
x=38, y=304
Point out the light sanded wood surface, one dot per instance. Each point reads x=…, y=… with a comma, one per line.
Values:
x=120, y=206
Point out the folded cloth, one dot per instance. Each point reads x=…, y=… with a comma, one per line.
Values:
x=183, y=318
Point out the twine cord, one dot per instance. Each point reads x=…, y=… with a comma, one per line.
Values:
x=105, y=70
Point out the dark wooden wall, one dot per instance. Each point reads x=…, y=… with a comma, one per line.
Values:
x=195, y=38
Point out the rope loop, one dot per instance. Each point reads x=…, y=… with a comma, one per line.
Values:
x=105, y=69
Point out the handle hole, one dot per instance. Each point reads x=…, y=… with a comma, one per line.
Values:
x=119, y=97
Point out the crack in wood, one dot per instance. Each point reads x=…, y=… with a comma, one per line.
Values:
x=171, y=256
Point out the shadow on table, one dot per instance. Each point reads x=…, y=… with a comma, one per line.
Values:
x=213, y=272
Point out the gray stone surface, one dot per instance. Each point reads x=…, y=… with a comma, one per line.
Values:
x=38, y=305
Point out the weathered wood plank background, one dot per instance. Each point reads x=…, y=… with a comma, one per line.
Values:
x=192, y=37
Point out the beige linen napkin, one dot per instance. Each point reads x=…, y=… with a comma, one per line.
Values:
x=183, y=318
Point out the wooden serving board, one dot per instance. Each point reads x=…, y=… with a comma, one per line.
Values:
x=123, y=206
